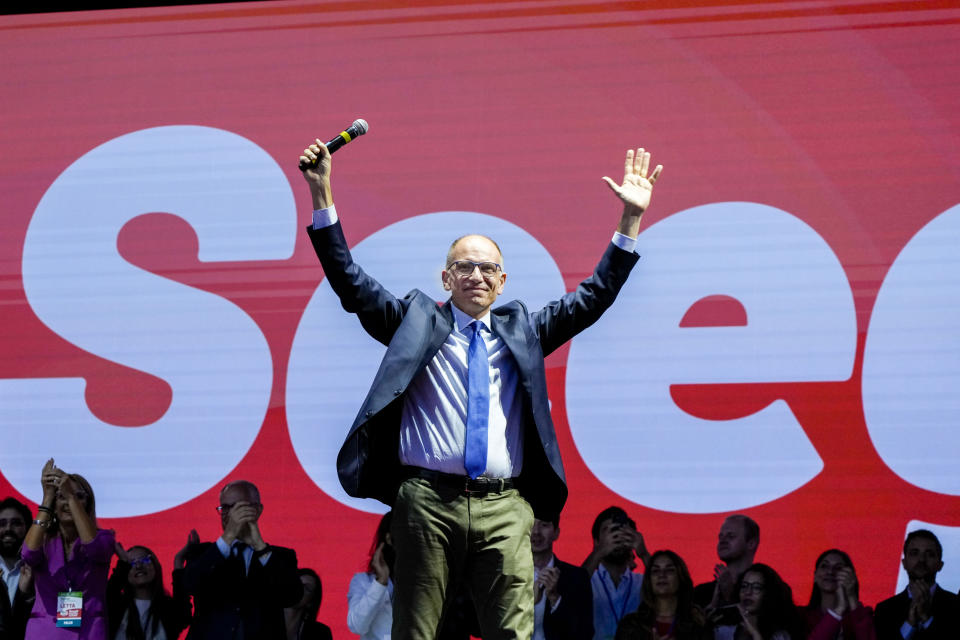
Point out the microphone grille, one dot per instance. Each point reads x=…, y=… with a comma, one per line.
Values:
x=361, y=125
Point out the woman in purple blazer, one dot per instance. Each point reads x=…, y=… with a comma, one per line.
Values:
x=69, y=555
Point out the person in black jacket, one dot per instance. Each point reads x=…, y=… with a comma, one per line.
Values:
x=458, y=419
x=240, y=584
x=563, y=599
x=922, y=611
x=16, y=588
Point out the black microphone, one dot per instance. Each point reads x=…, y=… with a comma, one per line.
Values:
x=358, y=128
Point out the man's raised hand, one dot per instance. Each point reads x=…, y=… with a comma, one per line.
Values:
x=637, y=186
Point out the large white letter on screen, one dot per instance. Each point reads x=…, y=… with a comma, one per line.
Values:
x=911, y=361
x=800, y=326
x=213, y=356
x=333, y=360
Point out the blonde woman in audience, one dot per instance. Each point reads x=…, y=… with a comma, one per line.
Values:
x=68, y=555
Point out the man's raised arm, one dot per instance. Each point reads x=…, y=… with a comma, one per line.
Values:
x=318, y=176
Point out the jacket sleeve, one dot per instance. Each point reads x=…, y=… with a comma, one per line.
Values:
x=561, y=320
x=573, y=617
x=378, y=310
x=858, y=624
x=282, y=582
x=199, y=574
x=889, y=616
x=178, y=611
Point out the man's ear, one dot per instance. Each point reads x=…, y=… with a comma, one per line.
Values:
x=444, y=280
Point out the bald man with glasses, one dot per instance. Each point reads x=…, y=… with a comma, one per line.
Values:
x=455, y=434
x=240, y=584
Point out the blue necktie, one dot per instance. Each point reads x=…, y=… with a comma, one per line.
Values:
x=478, y=402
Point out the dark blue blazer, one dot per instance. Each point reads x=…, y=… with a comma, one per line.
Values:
x=415, y=326
x=230, y=603
x=891, y=613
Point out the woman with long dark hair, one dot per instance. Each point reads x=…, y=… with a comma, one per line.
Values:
x=834, y=610
x=666, y=609
x=766, y=607
x=139, y=607
x=70, y=559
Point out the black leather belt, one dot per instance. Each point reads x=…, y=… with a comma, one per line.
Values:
x=462, y=484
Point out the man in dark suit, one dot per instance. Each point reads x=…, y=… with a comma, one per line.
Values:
x=240, y=584
x=16, y=589
x=563, y=599
x=922, y=611
x=455, y=433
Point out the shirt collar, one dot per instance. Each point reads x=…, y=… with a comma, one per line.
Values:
x=462, y=319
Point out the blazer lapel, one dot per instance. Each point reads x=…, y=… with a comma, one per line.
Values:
x=442, y=326
x=509, y=327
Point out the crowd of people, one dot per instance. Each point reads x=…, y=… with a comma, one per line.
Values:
x=58, y=584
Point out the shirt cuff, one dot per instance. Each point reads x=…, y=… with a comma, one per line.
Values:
x=224, y=547
x=624, y=242
x=836, y=616
x=324, y=217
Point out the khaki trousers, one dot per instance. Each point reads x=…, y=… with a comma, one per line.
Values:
x=443, y=539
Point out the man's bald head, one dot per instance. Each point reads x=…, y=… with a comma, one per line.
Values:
x=451, y=252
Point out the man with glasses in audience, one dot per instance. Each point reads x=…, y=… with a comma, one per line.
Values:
x=455, y=434
x=240, y=584
x=18, y=595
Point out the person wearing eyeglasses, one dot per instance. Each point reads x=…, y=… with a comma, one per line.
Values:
x=458, y=420
x=138, y=606
x=240, y=584
x=70, y=558
x=766, y=607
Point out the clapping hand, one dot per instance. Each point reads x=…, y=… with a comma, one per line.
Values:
x=549, y=578
x=180, y=559
x=50, y=479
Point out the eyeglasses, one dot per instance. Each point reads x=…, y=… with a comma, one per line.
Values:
x=12, y=522
x=754, y=587
x=145, y=561
x=464, y=268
